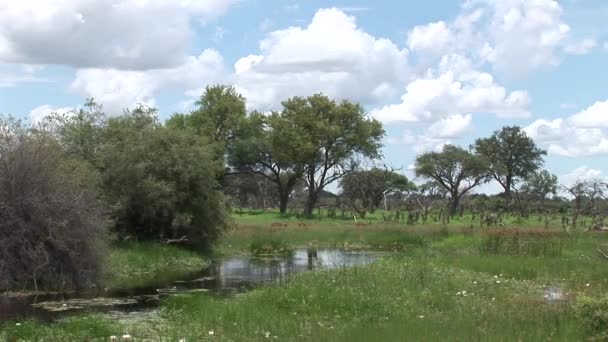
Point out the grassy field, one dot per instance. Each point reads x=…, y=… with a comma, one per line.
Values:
x=452, y=283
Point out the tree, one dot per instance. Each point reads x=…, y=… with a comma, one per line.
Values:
x=79, y=131
x=270, y=147
x=364, y=190
x=455, y=169
x=52, y=224
x=512, y=155
x=161, y=182
x=541, y=184
x=219, y=117
x=332, y=137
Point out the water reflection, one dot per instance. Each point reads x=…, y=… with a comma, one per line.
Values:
x=225, y=276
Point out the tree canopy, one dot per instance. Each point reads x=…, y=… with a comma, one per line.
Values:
x=512, y=156
x=455, y=169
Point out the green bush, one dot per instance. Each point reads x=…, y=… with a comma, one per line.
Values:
x=593, y=312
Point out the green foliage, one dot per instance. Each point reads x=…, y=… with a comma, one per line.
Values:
x=332, y=137
x=160, y=181
x=593, y=312
x=455, y=169
x=79, y=131
x=512, y=155
x=364, y=190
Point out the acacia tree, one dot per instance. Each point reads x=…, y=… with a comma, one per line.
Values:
x=364, y=190
x=541, y=184
x=455, y=169
x=271, y=148
x=332, y=138
x=512, y=156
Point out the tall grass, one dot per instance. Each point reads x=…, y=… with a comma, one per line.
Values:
x=146, y=263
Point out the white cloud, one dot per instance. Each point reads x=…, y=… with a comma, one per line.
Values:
x=454, y=88
x=514, y=36
x=451, y=127
x=592, y=117
x=330, y=55
x=121, y=34
x=120, y=89
x=581, y=47
x=582, y=134
x=583, y=173
x=434, y=38
x=39, y=113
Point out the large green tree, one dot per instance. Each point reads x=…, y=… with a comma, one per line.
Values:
x=270, y=147
x=512, y=155
x=455, y=169
x=331, y=137
x=364, y=190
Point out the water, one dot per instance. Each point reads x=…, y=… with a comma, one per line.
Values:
x=224, y=277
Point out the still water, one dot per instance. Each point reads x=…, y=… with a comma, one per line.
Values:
x=224, y=277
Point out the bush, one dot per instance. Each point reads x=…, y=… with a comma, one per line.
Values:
x=51, y=222
x=593, y=312
x=161, y=182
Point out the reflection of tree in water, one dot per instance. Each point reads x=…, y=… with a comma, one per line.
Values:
x=313, y=258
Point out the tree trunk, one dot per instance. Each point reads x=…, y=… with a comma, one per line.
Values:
x=311, y=201
x=283, y=200
x=508, y=183
x=455, y=204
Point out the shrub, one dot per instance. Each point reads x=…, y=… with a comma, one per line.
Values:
x=51, y=222
x=593, y=312
x=161, y=182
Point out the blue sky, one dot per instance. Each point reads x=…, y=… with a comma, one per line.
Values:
x=434, y=72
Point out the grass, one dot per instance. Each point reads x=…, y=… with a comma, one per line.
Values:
x=443, y=283
x=146, y=263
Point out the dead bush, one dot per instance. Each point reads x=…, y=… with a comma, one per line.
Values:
x=52, y=224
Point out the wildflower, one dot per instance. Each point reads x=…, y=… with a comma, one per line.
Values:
x=493, y=299
x=267, y=334
x=588, y=285
x=113, y=338
x=500, y=275
x=126, y=337
x=64, y=305
x=421, y=316
x=182, y=340
x=495, y=276
x=211, y=333
x=498, y=282
x=474, y=283
x=18, y=324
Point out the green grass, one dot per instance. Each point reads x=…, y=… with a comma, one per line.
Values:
x=416, y=294
x=145, y=263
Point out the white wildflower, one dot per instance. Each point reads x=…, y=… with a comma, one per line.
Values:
x=211, y=333
x=18, y=324
x=126, y=337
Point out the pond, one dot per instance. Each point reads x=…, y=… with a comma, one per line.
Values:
x=224, y=277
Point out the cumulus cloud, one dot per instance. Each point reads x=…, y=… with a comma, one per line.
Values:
x=455, y=87
x=121, y=34
x=119, y=89
x=330, y=55
x=514, y=36
x=582, y=134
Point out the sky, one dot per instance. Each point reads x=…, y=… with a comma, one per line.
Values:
x=434, y=72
